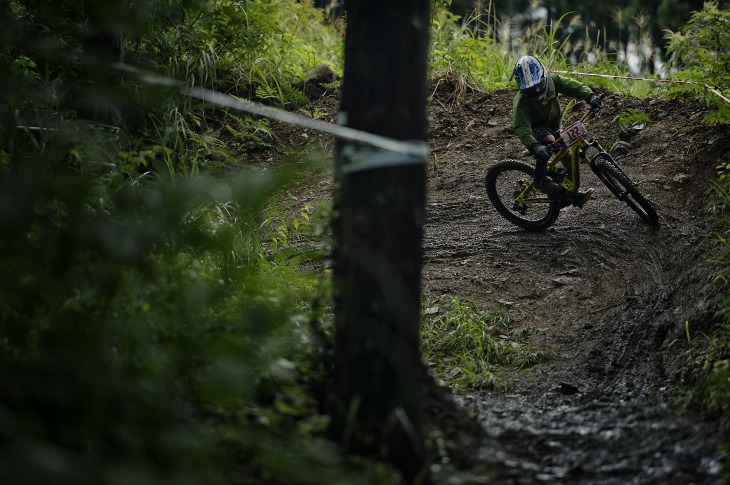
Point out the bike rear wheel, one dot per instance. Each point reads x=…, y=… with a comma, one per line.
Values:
x=507, y=185
x=624, y=189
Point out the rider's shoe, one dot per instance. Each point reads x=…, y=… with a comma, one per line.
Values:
x=546, y=185
x=582, y=197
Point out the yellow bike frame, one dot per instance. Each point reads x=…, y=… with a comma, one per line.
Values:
x=569, y=156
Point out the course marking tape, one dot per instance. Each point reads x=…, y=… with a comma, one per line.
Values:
x=632, y=78
x=228, y=101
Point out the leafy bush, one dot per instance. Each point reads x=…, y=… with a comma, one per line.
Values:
x=255, y=49
x=701, y=51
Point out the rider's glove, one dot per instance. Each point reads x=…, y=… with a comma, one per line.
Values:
x=542, y=153
x=595, y=102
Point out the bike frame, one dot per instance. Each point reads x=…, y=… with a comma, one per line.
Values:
x=510, y=189
x=568, y=155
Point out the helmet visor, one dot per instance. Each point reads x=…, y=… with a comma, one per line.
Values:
x=536, y=91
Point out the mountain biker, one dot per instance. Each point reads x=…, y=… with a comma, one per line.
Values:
x=537, y=114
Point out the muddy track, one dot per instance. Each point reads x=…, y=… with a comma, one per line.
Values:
x=611, y=296
x=607, y=293
x=600, y=274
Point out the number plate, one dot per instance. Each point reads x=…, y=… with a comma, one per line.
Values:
x=573, y=133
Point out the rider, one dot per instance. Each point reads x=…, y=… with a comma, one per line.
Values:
x=537, y=114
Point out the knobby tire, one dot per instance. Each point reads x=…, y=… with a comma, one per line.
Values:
x=504, y=181
x=624, y=189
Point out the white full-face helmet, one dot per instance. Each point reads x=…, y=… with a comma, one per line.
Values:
x=531, y=78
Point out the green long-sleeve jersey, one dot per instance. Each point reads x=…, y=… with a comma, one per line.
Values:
x=527, y=113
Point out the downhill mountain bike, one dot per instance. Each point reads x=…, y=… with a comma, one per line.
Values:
x=511, y=191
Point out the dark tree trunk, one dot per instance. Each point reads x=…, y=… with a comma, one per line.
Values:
x=380, y=200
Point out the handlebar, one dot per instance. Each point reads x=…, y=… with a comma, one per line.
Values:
x=590, y=112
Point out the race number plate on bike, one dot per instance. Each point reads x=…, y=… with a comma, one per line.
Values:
x=573, y=133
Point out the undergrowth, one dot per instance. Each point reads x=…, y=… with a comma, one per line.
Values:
x=466, y=347
x=158, y=322
x=712, y=394
x=701, y=48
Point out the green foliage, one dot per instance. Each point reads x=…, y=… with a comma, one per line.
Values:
x=723, y=171
x=464, y=50
x=721, y=211
x=466, y=347
x=542, y=40
x=156, y=326
x=472, y=52
x=281, y=94
x=160, y=333
x=247, y=133
x=252, y=49
x=711, y=395
x=238, y=44
x=701, y=52
x=630, y=118
x=205, y=44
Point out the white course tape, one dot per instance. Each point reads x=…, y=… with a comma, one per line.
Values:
x=416, y=148
x=632, y=78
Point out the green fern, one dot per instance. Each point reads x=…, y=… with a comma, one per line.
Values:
x=281, y=93
x=248, y=133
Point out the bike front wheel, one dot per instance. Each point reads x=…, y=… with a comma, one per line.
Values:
x=509, y=188
x=624, y=189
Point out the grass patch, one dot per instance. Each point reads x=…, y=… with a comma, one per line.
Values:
x=466, y=347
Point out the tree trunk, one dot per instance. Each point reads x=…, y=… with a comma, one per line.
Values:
x=380, y=201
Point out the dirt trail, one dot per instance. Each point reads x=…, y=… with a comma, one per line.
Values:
x=611, y=296
x=602, y=288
